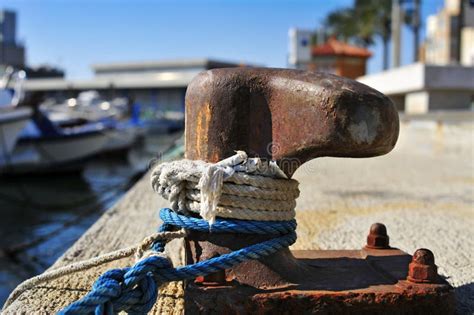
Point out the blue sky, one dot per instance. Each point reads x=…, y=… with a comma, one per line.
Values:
x=75, y=34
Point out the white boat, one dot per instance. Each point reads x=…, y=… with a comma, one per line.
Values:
x=89, y=106
x=121, y=138
x=12, y=122
x=12, y=118
x=50, y=152
x=31, y=142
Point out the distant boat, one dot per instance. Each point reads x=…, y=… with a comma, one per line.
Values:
x=12, y=117
x=122, y=132
x=33, y=143
x=12, y=121
x=45, y=147
x=164, y=122
x=88, y=105
x=121, y=135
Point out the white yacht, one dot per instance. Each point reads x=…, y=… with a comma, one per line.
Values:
x=12, y=118
x=31, y=142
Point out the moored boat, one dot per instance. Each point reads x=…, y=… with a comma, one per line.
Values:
x=12, y=117
x=121, y=135
x=12, y=121
x=122, y=132
x=46, y=147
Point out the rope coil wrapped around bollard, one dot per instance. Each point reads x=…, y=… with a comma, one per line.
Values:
x=256, y=196
x=237, y=187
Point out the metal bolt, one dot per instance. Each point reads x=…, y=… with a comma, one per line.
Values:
x=377, y=238
x=422, y=268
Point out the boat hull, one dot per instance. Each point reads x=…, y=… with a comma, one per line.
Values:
x=120, y=139
x=11, y=124
x=54, y=154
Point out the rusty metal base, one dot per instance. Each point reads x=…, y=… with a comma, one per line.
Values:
x=367, y=281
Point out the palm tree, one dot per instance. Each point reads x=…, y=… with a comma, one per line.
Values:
x=412, y=19
x=379, y=14
x=362, y=23
x=342, y=24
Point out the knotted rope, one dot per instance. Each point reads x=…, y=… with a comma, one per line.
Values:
x=238, y=188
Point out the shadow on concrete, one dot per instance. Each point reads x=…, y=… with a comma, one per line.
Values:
x=465, y=298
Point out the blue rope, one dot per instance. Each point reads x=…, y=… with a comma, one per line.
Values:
x=135, y=289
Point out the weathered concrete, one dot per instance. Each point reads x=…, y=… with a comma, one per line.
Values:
x=423, y=191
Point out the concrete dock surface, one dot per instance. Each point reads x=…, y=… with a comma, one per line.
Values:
x=423, y=191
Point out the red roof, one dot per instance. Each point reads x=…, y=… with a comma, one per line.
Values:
x=333, y=47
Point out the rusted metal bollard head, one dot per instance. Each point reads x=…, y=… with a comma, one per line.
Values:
x=290, y=116
x=422, y=268
x=377, y=238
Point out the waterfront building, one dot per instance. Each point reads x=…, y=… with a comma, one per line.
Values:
x=299, y=47
x=157, y=85
x=450, y=35
x=12, y=53
x=43, y=71
x=339, y=58
x=331, y=56
x=419, y=88
x=443, y=80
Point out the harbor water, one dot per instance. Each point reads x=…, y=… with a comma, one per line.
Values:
x=43, y=215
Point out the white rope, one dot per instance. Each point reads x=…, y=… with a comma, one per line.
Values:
x=237, y=187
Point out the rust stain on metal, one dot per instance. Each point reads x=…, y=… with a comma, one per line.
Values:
x=367, y=281
x=302, y=114
x=202, y=123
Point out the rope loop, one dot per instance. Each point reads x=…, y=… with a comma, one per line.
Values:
x=237, y=195
x=135, y=289
x=237, y=187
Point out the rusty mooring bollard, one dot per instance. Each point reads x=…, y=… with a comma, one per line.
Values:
x=291, y=117
x=288, y=116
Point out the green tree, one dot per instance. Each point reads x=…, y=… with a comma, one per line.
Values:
x=342, y=24
x=362, y=23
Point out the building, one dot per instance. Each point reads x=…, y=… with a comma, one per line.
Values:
x=300, y=43
x=159, y=85
x=450, y=35
x=444, y=79
x=419, y=88
x=12, y=53
x=332, y=55
x=43, y=71
x=339, y=58
x=467, y=34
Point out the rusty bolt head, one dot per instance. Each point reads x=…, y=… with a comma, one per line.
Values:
x=378, y=238
x=422, y=268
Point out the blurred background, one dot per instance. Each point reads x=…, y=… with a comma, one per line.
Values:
x=91, y=91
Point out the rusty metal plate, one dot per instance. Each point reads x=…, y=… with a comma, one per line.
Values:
x=367, y=281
